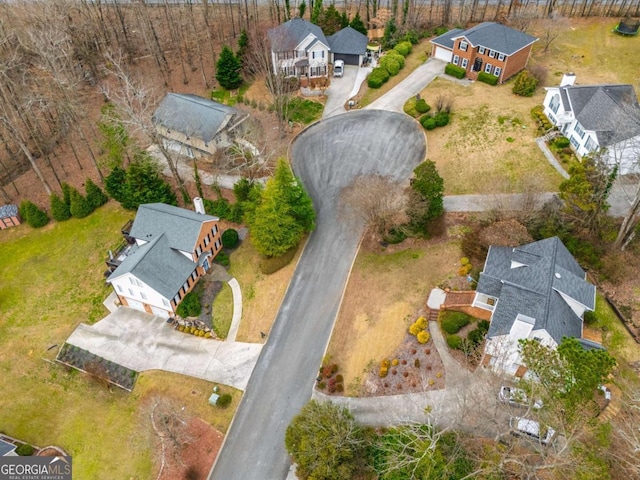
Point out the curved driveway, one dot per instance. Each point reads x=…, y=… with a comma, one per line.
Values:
x=327, y=157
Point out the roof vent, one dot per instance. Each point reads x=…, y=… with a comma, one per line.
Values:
x=558, y=275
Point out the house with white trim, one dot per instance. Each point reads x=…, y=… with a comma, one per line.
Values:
x=169, y=250
x=489, y=47
x=537, y=292
x=597, y=118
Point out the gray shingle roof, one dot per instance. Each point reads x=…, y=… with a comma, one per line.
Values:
x=446, y=39
x=194, y=116
x=348, y=41
x=181, y=226
x=612, y=111
x=8, y=211
x=496, y=36
x=158, y=265
x=287, y=36
x=6, y=447
x=534, y=289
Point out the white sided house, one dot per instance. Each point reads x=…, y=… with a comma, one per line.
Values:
x=537, y=292
x=299, y=49
x=171, y=248
x=598, y=118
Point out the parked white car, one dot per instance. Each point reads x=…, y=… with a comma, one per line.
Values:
x=517, y=397
x=527, y=428
x=338, y=68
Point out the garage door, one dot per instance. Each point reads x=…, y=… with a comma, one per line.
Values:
x=159, y=312
x=443, y=53
x=347, y=59
x=135, y=304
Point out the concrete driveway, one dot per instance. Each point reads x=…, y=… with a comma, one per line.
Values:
x=327, y=157
x=142, y=342
x=343, y=88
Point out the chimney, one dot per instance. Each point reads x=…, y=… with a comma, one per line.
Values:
x=199, y=204
x=568, y=79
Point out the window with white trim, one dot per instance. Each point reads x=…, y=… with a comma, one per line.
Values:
x=492, y=54
x=176, y=299
x=456, y=59
x=207, y=241
x=481, y=50
x=554, y=104
x=578, y=129
x=497, y=71
x=574, y=142
x=487, y=68
x=214, y=230
x=218, y=244
x=501, y=57
x=590, y=145
x=165, y=303
x=464, y=63
x=186, y=286
x=198, y=251
x=194, y=275
x=463, y=45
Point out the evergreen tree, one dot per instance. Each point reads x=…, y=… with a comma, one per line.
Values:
x=95, y=196
x=316, y=11
x=426, y=197
x=66, y=193
x=344, y=20
x=389, y=37
x=115, y=136
x=59, y=210
x=34, y=216
x=358, y=24
x=116, y=184
x=329, y=20
x=80, y=207
x=243, y=45
x=303, y=8
x=228, y=69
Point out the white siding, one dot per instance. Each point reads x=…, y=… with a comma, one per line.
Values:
x=134, y=292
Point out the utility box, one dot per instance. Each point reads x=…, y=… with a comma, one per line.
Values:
x=213, y=399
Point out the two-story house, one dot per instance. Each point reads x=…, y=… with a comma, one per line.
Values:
x=489, y=47
x=194, y=126
x=300, y=49
x=537, y=292
x=597, y=118
x=172, y=248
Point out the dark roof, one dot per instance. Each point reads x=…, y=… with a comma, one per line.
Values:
x=533, y=280
x=6, y=447
x=8, y=211
x=288, y=36
x=193, y=115
x=498, y=37
x=348, y=41
x=158, y=265
x=446, y=39
x=180, y=225
x=612, y=111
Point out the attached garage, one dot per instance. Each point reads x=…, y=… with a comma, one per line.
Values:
x=159, y=312
x=348, y=59
x=135, y=304
x=348, y=45
x=442, y=53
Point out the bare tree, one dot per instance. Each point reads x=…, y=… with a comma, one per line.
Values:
x=250, y=155
x=169, y=424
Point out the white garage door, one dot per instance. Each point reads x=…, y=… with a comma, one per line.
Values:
x=135, y=304
x=159, y=312
x=443, y=54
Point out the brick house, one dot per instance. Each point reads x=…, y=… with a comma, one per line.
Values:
x=168, y=250
x=490, y=47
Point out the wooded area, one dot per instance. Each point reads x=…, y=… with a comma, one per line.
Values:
x=57, y=59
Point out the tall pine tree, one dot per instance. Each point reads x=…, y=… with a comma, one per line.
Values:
x=228, y=69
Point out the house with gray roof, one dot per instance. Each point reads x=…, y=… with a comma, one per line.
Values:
x=194, y=126
x=598, y=118
x=536, y=291
x=348, y=45
x=489, y=47
x=300, y=49
x=170, y=249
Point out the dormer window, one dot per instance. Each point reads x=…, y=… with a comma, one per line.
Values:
x=463, y=45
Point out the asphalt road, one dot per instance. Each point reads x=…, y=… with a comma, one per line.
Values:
x=327, y=157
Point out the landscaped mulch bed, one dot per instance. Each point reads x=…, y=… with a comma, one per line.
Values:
x=97, y=367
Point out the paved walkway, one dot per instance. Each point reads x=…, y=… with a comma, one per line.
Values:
x=140, y=341
x=237, y=310
x=551, y=157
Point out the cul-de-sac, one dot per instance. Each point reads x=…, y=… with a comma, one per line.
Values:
x=279, y=240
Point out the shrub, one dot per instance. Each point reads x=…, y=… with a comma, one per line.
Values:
x=339, y=388
x=80, y=207
x=454, y=341
x=394, y=362
x=417, y=326
x=223, y=259
x=475, y=337
x=95, y=196
x=269, y=265
x=385, y=363
x=334, y=368
x=230, y=238
x=339, y=378
x=219, y=208
x=416, y=363
x=396, y=56
x=377, y=77
x=25, y=450
x=190, y=306
x=525, y=84
x=452, y=322
x=590, y=317
x=561, y=142
x=383, y=372
x=455, y=71
x=423, y=337
x=403, y=362
x=428, y=122
x=390, y=64
x=224, y=400
x=34, y=216
x=395, y=235
x=59, y=210
x=487, y=78
x=403, y=48
x=441, y=119
x=483, y=326
x=422, y=106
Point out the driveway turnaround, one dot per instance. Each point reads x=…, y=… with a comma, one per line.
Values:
x=142, y=342
x=327, y=157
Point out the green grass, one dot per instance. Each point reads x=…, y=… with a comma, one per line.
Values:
x=223, y=311
x=52, y=279
x=615, y=335
x=229, y=97
x=304, y=111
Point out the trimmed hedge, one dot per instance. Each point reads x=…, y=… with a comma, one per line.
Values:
x=223, y=259
x=455, y=71
x=441, y=119
x=390, y=64
x=377, y=77
x=428, y=122
x=525, y=84
x=454, y=341
x=561, y=142
x=487, y=78
x=403, y=48
x=422, y=106
x=190, y=305
x=230, y=238
x=453, y=321
x=396, y=56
